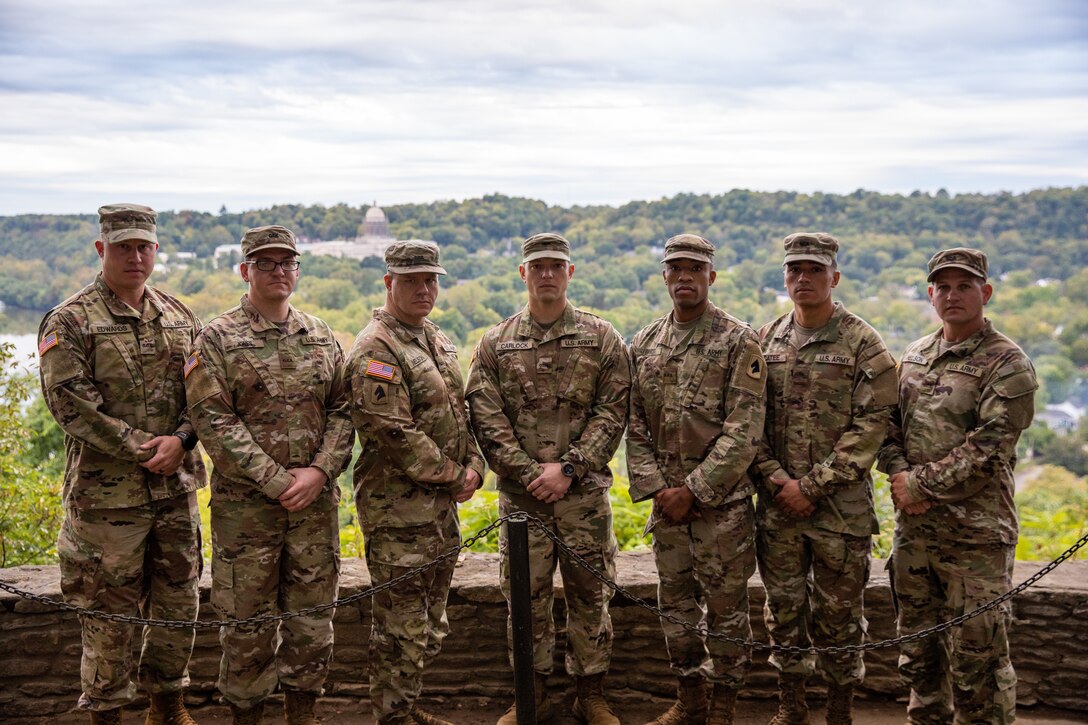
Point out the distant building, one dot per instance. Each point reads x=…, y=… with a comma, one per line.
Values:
x=1061, y=417
x=375, y=240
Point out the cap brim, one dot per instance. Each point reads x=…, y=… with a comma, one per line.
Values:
x=545, y=254
x=688, y=255
x=434, y=268
x=124, y=235
x=952, y=265
x=273, y=245
x=818, y=258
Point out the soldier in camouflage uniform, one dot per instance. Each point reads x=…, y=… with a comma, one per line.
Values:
x=696, y=418
x=830, y=390
x=266, y=393
x=111, y=361
x=966, y=392
x=418, y=461
x=548, y=390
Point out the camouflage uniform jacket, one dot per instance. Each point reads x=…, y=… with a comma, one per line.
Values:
x=111, y=377
x=697, y=410
x=408, y=405
x=828, y=407
x=265, y=401
x=960, y=416
x=543, y=396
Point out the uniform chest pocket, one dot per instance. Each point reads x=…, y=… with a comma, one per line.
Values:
x=652, y=380
x=704, y=389
x=115, y=364
x=317, y=363
x=579, y=381
x=246, y=371
x=957, y=392
x=832, y=382
x=515, y=379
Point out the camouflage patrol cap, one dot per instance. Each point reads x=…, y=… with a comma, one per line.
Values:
x=270, y=237
x=120, y=222
x=547, y=245
x=811, y=246
x=964, y=258
x=411, y=256
x=689, y=246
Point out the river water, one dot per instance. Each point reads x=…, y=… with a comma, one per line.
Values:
x=20, y=328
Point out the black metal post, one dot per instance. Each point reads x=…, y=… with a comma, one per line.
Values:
x=521, y=619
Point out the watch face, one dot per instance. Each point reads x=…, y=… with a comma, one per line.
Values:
x=568, y=470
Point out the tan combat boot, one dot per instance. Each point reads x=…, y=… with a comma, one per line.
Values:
x=168, y=708
x=106, y=717
x=690, y=705
x=840, y=704
x=545, y=710
x=792, y=708
x=247, y=716
x=722, y=705
x=422, y=717
x=590, y=706
x=298, y=708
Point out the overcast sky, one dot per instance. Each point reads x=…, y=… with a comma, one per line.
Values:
x=197, y=104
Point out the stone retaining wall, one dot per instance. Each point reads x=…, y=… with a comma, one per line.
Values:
x=39, y=669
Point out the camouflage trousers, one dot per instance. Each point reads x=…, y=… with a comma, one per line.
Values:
x=267, y=560
x=703, y=569
x=582, y=519
x=408, y=621
x=963, y=675
x=815, y=581
x=143, y=560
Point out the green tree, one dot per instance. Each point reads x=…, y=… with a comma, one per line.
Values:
x=30, y=507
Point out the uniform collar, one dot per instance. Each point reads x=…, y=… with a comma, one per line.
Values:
x=562, y=327
x=119, y=308
x=960, y=349
x=827, y=333
x=698, y=333
x=401, y=330
x=258, y=322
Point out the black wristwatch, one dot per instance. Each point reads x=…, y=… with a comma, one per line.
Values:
x=188, y=440
x=568, y=470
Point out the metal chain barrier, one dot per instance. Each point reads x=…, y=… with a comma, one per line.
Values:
x=580, y=561
x=955, y=622
x=263, y=619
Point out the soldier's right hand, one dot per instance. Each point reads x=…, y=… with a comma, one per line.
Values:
x=472, y=485
x=677, y=505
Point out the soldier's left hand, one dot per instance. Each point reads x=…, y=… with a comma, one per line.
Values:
x=168, y=455
x=551, y=485
x=901, y=493
x=791, y=499
x=304, y=490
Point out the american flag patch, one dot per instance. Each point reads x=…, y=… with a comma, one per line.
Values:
x=49, y=341
x=191, y=363
x=378, y=369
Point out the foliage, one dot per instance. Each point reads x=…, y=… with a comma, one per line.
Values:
x=1053, y=510
x=1038, y=243
x=30, y=508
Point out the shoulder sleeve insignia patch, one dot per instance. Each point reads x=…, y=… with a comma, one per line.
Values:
x=378, y=369
x=48, y=342
x=189, y=366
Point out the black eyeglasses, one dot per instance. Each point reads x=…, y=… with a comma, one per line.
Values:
x=269, y=265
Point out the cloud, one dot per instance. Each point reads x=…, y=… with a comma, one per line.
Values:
x=247, y=103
